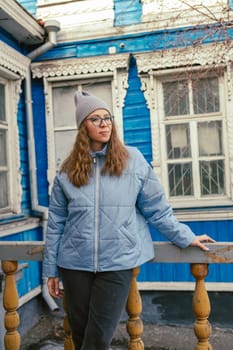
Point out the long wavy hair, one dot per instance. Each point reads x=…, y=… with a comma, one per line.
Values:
x=79, y=164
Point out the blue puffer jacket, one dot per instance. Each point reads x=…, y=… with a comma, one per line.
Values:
x=104, y=225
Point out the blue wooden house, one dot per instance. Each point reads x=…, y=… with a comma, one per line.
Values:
x=165, y=67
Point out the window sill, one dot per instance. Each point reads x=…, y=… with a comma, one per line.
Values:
x=19, y=226
x=199, y=214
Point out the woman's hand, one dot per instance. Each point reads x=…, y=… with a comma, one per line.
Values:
x=197, y=242
x=53, y=287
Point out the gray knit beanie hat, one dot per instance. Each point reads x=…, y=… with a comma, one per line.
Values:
x=86, y=104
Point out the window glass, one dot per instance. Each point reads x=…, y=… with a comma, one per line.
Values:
x=176, y=99
x=2, y=103
x=178, y=141
x=210, y=138
x=212, y=177
x=3, y=148
x=101, y=90
x=63, y=106
x=64, y=141
x=180, y=179
x=3, y=151
x=205, y=95
x=3, y=190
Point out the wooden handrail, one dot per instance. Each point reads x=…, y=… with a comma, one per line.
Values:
x=164, y=252
x=222, y=253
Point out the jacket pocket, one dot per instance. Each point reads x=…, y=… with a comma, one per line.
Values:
x=126, y=234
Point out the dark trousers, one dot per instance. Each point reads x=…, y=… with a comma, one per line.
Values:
x=95, y=302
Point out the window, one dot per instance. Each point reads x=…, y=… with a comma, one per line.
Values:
x=104, y=76
x=10, y=177
x=194, y=137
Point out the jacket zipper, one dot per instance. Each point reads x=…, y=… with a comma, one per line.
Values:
x=96, y=233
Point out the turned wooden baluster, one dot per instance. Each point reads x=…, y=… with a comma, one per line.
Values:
x=68, y=344
x=201, y=307
x=10, y=303
x=134, y=309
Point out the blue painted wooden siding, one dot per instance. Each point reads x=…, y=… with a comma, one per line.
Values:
x=40, y=141
x=8, y=39
x=29, y=5
x=221, y=231
x=127, y=12
x=137, y=129
x=141, y=42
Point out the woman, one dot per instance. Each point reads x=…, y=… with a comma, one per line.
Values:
x=101, y=203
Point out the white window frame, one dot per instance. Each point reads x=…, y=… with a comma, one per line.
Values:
x=152, y=68
x=196, y=200
x=13, y=68
x=111, y=68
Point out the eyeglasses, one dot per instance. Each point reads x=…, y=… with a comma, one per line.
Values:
x=96, y=120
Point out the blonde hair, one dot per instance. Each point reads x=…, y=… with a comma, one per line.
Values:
x=78, y=165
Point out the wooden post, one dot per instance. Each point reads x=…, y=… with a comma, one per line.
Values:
x=201, y=307
x=134, y=309
x=10, y=303
x=68, y=344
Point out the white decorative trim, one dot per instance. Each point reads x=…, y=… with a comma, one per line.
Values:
x=202, y=55
x=50, y=134
x=229, y=129
x=78, y=66
x=149, y=87
x=15, y=171
x=13, y=60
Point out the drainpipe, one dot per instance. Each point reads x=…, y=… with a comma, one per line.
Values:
x=51, y=27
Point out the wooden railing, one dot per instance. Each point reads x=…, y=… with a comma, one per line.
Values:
x=12, y=252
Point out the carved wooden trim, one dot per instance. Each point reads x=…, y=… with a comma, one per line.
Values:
x=229, y=120
x=149, y=88
x=202, y=55
x=79, y=66
x=13, y=60
x=15, y=158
